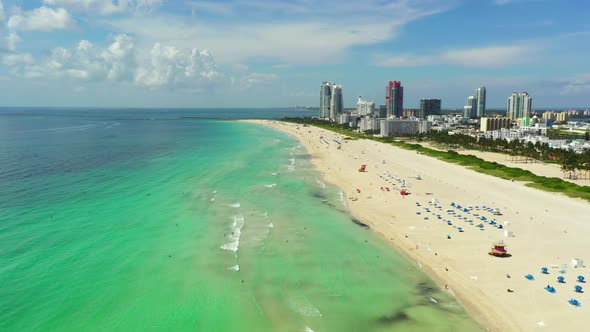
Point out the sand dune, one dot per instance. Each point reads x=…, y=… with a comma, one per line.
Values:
x=550, y=229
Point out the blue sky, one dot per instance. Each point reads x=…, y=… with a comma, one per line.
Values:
x=262, y=53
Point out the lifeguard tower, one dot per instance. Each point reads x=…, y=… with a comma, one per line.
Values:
x=499, y=250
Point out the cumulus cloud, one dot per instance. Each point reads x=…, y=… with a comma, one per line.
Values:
x=488, y=56
x=168, y=65
x=40, y=19
x=122, y=61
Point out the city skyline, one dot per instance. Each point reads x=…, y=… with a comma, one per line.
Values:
x=156, y=53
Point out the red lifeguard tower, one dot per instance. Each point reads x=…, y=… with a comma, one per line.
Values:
x=499, y=250
x=363, y=168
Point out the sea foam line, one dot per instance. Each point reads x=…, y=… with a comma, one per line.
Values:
x=234, y=236
x=322, y=185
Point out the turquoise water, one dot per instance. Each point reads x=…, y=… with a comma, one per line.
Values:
x=143, y=221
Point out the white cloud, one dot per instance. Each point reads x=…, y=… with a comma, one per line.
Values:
x=277, y=30
x=122, y=61
x=40, y=19
x=577, y=85
x=170, y=66
x=106, y=7
x=487, y=56
x=18, y=59
x=256, y=79
x=103, y=7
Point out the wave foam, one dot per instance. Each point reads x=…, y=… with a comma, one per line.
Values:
x=234, y=236
x=234, y=268
x=235, y=205
x=302, y=305
x=322, y=185
x=270, y=185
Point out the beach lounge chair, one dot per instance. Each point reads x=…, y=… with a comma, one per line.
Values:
x=544, y=270
x=581, y=279
x=529, y=277
x=578, y=289
x=561, y=279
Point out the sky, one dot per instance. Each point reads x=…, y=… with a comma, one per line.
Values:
x=264, y=53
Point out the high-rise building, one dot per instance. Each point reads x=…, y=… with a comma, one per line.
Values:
x=365, y=107
x=488, y=124
x=331, y=102
x=480, y=95
x=394, y=99
x=325, y=99
x=337, y=104
x=382, y=111
x=429, y=107
x=519, y=105
x=467, y=111
x=472, y=102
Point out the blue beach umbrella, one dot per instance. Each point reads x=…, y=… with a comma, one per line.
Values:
x=578, y=289
x=544, y=270
x=574, y=302
x=561, y=279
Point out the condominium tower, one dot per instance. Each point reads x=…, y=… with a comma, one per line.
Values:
x=331, y=104
x=480, y=94
x=472, y=107
x=429, y=107
x=394, y=99
x=519, y=105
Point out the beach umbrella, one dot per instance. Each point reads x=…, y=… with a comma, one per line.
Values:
x=544, y=270
x=529, y=277
x=561, y=279
x=581, y=278
x=578, y=289
x=550, y=289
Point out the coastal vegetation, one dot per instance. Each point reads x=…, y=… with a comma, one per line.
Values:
x=572, y=163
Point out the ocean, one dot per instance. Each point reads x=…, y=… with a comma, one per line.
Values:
x=175, y=220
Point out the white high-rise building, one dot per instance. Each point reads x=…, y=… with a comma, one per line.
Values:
x=331, y=102
x=480, y=95
x=336, y=104
x=365, y=107
x=325, y=99
x=519, y=105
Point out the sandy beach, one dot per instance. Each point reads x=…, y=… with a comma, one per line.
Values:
x=549, y=229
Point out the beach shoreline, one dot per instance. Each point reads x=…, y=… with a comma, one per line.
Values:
x=458, y=263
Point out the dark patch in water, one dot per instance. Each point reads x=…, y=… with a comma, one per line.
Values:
x=393, y=319
x=318, y=194
x=303, y=156
x=360, y=223
x=426, y=289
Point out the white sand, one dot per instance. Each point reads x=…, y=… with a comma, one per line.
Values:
x=549, y=228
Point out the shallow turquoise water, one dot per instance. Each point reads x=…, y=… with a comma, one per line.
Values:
x=121, y=224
